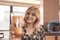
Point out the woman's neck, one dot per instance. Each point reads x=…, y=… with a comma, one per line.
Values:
x=29, y=25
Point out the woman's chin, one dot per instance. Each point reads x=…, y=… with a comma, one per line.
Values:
x=29, y=22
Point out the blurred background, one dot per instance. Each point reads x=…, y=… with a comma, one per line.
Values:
x=49, y=14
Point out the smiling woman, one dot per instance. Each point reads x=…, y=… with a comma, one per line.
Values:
x=32, y=30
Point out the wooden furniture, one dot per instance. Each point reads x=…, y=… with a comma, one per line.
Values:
x=52, y=36
x=58, y=37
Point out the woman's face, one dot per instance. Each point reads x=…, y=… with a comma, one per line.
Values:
x=31, y=17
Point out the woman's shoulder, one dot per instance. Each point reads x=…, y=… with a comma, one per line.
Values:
x=39, y=28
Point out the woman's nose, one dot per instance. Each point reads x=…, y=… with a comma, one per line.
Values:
x=30, y=15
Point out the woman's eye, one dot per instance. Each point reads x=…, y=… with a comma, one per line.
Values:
x=33, y=14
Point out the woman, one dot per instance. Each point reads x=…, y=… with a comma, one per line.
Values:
x=32, y=29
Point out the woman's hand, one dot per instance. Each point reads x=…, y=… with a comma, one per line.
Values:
x=17, y=32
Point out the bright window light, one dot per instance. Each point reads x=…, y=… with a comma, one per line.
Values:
x=4, y=17
x=19, y=10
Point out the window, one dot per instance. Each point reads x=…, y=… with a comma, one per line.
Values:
x=4, y=17
x=19, y=11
